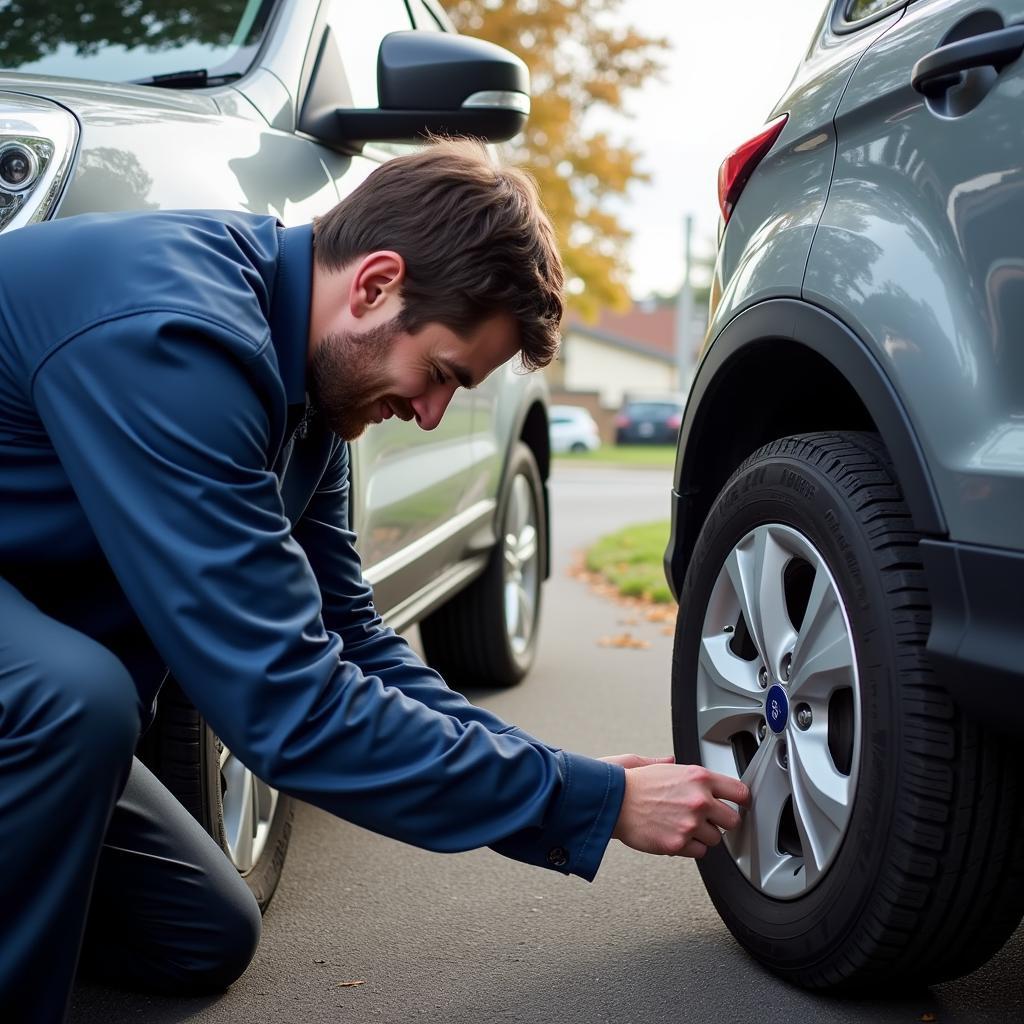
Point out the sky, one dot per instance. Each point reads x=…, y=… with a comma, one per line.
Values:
x=730, y=61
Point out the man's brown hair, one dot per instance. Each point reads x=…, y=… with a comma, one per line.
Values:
x=475, y=239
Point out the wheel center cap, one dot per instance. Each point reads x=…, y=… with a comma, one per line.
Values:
x=776, y=708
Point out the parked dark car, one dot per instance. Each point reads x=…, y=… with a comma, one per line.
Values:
x=847, y=545
x=648, y=421
x=282, y=107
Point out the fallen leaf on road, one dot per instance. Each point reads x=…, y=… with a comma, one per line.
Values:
x=350, y=984
x=662, y=613
x=928, y=1018
x=668, y=631
x=623, y=640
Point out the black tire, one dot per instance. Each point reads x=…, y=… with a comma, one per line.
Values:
x=184, y=754
x=928, y=881
x=467, y=639
x=578, y=447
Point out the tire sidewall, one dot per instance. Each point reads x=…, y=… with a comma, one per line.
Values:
x=522, y=464
x=777, y=488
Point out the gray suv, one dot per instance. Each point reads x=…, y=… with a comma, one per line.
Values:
x=283, y=107
x=848, y=504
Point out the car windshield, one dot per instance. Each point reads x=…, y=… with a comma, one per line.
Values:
x=132, y=40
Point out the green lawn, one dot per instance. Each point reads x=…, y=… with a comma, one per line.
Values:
x=625, y=455
x=632, y=560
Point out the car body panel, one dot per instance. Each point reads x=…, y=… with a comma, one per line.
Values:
x=763, y=254
x=919, y=251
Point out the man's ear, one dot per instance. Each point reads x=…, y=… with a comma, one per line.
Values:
x=377, y=279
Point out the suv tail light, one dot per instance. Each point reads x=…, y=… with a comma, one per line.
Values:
x=739, y=165
x=675, y=421
x=37, y=141
x=621, y=421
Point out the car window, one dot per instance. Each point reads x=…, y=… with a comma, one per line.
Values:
x=359, y=29
x=132, y=40
x=858, y=10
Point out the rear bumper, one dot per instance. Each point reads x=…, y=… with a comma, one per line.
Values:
x=976, y=644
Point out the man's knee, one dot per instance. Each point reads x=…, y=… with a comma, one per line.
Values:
x=83, y=701
x=230, y=943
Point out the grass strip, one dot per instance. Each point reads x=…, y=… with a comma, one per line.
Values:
x=623, y=455
x=632, y=560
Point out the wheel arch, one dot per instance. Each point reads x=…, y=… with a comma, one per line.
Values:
x=756, y=364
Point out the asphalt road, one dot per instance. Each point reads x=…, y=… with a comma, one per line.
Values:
x=476, y=938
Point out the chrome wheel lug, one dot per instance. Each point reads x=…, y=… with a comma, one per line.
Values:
x=786, y=667
x=762, y=678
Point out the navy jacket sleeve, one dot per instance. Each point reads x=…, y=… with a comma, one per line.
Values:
x=163, y=423
x=349, y=611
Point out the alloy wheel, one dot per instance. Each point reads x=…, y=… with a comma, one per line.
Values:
x=249, y=805
x=778, y=706
x=522, y=566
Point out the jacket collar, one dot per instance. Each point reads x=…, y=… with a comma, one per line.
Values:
x=289, y=308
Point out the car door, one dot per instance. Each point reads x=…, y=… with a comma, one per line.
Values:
x=407, y=483
x=920, y=247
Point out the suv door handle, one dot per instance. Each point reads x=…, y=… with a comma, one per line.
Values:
x=940, y=69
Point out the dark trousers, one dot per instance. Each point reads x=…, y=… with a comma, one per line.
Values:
x=98, y=861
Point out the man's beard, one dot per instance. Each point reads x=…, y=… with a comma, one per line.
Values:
x=347, y=378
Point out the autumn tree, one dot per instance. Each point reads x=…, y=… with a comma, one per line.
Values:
x=582, y=59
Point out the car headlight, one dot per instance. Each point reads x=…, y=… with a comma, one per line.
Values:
x=37, y=142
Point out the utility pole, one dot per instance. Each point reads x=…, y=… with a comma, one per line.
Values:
x=684, y=311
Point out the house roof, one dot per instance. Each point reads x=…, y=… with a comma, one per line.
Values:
x=648, y=328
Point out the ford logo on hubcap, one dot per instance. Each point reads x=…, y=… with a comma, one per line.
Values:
x=776, y=708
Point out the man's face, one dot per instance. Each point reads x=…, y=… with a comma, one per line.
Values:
x=359, y=378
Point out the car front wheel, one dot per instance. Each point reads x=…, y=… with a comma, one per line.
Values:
x=487, y=634
x=885, y=839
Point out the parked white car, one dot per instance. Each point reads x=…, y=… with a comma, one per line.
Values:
x=573, y=429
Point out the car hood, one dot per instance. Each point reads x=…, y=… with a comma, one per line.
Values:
x=109, y=102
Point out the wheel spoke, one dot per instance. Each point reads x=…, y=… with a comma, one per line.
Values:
x=718, y=723
x=823, y=655
x=755, y=844
x=239, y=813
x=525, y=613
x=821, y=797
x=756, y=572
x=527, y=544
x=726, y=672
x=512, y=608
x=511, y=561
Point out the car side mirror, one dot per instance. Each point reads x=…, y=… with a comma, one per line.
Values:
x=427, y=83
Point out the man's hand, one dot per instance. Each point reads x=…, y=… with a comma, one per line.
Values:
x=675, y=809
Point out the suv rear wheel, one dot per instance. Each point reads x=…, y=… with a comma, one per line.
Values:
x=885, y=842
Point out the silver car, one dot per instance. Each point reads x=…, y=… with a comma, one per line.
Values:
x=283, y=107
x=847, y=540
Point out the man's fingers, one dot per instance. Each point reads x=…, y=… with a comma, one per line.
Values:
x=694, y=848
x=723, y=816
x=726, y=788
x=706, y=834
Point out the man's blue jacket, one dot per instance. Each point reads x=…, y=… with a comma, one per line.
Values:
x=152, y=369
